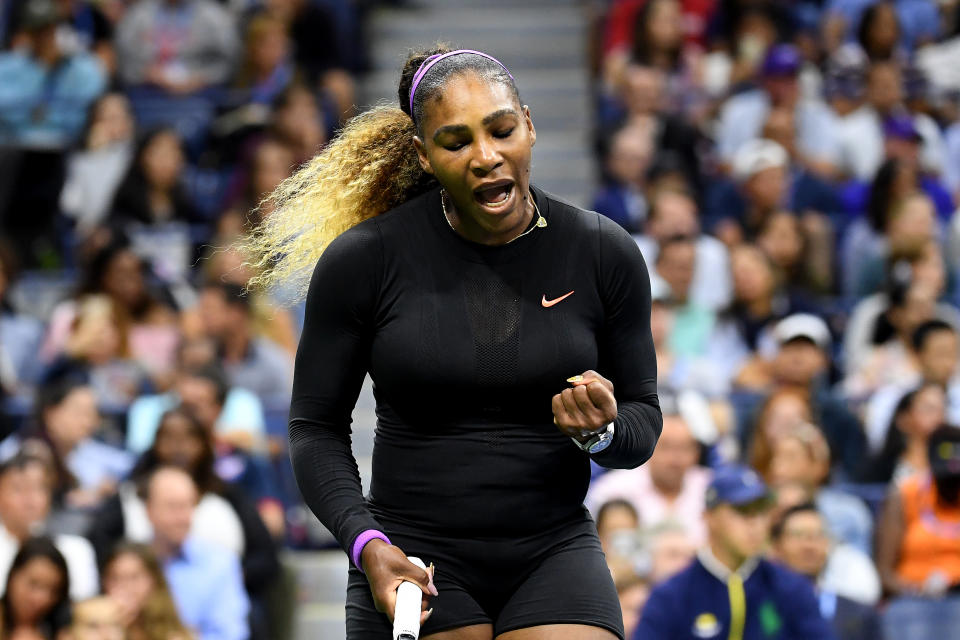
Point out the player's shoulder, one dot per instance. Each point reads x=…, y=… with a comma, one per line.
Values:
x=583, y=223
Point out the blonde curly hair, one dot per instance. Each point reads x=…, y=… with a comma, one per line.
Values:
x=369, y=168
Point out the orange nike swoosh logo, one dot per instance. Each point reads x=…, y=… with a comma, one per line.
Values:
x=550, y=303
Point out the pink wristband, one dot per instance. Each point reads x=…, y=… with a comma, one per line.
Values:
x=361, y=542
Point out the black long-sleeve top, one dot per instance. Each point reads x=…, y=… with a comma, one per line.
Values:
x=465, y=358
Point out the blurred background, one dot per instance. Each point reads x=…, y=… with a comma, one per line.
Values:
x=789, y=169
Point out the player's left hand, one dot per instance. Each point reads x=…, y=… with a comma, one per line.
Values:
x=586, y=407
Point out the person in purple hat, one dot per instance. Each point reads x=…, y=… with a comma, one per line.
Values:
x=508, y=337
x=743, y=115
x=901, y=138
x=730, y=590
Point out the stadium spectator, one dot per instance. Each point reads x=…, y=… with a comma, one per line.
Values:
x=676, y=265
x=658, y=41
x=782, y=411
x=270, y=163
x=801, y=359
x=760, y=171
x=241, y=458
x=677, y=372
x=918, y=550
x=278, y=324
x=878, y=33
x=266, y=68
x=44, y=90
x=740, y=35
x=318, y=51
x=25, y=500
x=84, y=26
x=899, y=219
x=251, y=361
x=812, y=197
x=67, y=419
x=177, y=46
x=889, y=357
x=618, y=527
x=669, y=487
x=759, y=301
x=918, y=20
x=911, y=227
x=674, y=214
x=133, y=579
x=97, y=350
x=801, y=457
x=801, y=542
x=224, y=515
x=743, y=115
x=205, y=580
x=869, y=320
x=880, y=128
x=671, y=549
x=918, y=414
x=297, y=121
x=36, y=603
x=622, y=198
x=730, y=589
x=96, y=168
x=152, y=192
x=758, y=185
x=936, y=348
x=642, y=103
x=114, y=269
x=237, y=418
x=95, y=619
x=795, y=255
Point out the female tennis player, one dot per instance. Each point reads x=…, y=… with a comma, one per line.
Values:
x=508, y=337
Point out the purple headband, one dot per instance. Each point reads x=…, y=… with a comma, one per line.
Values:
x=427, y=64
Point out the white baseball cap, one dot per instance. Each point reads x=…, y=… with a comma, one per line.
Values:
x=757, y=155
x=803, y=325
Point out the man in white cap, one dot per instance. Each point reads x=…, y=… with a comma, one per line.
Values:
x=759, y=170
x=800, y=358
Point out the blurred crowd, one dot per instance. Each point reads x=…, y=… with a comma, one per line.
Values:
x=789, y=169
x=145, y=489
x=791, y=173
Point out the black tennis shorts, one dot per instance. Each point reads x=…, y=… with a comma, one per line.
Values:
x=558, y=576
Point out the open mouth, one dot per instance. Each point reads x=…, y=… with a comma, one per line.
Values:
x=495, y=195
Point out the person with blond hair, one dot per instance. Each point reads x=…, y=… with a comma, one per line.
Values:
x=508, y=336
x=133, y=579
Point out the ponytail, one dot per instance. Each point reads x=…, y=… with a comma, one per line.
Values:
x=369, y=168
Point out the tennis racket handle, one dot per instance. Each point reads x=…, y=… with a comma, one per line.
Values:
x=406, y=615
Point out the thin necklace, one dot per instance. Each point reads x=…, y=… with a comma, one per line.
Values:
x=540, y=223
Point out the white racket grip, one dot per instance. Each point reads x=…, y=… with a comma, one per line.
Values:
x=406, y=615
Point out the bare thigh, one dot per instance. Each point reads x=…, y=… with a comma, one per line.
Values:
x=473, y=632
x=559, y=632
